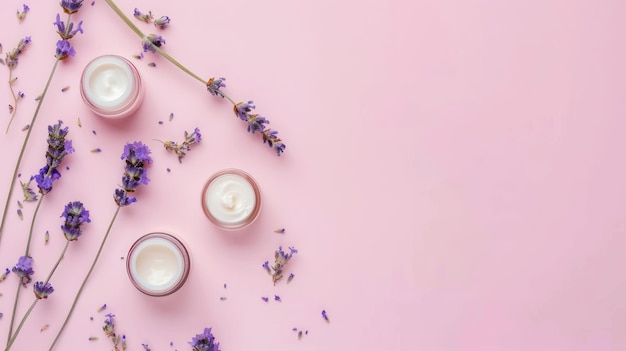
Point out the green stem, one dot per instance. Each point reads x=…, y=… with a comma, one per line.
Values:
x=19, y=159
x=67, y=244
x=32, y=225
x=82, y=286
x=14, y=101
x=161, y=52
x=17, y=296
x=19, y=327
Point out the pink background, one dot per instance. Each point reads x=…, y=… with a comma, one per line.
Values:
x=453, y=179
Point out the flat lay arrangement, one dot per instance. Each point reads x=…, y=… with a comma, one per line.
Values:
x=326, y=175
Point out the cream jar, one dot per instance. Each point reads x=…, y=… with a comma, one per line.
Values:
x=231, y=199
x=111, y=87
x=158, y=264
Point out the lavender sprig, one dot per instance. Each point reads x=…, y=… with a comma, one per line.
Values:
x=23, y=269
x=62, y=52
x=162, y=22
x=22, y=14
x=254, y=123
x=281, y=258
x=12, y=59
x=119, y=341
x=204, y=341
x=190, y=139
x=58, y=148
x=136, y=157
x=145, y=17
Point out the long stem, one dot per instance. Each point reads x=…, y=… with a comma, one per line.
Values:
x=32, y=225
x=19, y=159
x=82, y=286
x=14, y=100
x=17, y=297
x=19, y=327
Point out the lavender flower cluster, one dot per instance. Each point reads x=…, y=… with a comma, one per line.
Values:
x=190, y=139
x=257, y=123
x=281, y=258
x=119, y=342
x=63, y=48
x=75, y=215
x=136, y=156
x=58, y=148
x=24, y=270
x=204, y=341
x=12, y=57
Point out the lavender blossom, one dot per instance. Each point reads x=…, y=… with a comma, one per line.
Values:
x=136, y=156
x=152, y=41
x=67, y=32
x=22, y=14
x=13, y=55
x=58, y=148
x=4, y=275
x=71, y=6
x=242, y=109
x=42, y=290
x=24, y=268
x=271, y=138
x=162, y=22
x=109, y=326
x=190, y=139
x=75, y=215
x=145, y=17
x=281, y=258
x=204, y=341
x=256, y=123
x=214, y=85
x=64, y=50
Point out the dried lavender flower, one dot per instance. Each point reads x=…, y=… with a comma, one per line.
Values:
x=71, y=6
x=204, y=341
x=13, y=55
x=145, y=17
x=136, y=156
x=42, y=290
x=264, y=298
x=152, y=41
x=22, y=14
x=325, y=316
x=281, y=258
x=29, y=194
x=58, y=148
x=162, y=22
x=4, y=275
x=214, y=85
x=290, y=278
x=75, y=215
x=190, y=139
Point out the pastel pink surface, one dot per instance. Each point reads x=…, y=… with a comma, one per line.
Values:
x=452, y=176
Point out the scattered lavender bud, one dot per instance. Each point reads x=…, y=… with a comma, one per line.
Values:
x=26, y=127
x=22, y=14
x=299, y=334
x=91, y=318
x=294, y=329
x=224, y=285
x=151, y=64
x=20, y=214
x=93, y=2
x=223, y=298
x=279, y=230
x=19, y=204
x=138, y=56
x=162, y=22
x=266, y=265
x=325, y=316
x=1, y=314
x=160, y=122
x=266, y=299
x=11, y=108
x=96, y=150
x=146, y=347
x=64, y=89
x=169, y=170
x=93, y=338
x=93, y=132
x=290, y=278
x=79, y=124
x=277, y=298
x=102, y=308
x=306, y=332
x=171, y=116
x=12, y=80
x=4, y=275
x=146, y=17
x=44, y=327
x=38, y=98
x=46, y=237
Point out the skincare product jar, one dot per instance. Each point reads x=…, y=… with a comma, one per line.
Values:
x=111, y=87
x=231, y=199
x=158, y=264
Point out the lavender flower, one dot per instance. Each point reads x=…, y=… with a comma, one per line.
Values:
x=67, y=32
x=75, y=215
x=71, y=6
x=58, y=148
x=162, y=22
x=24, y=269
x=64, y=50
x=325, y=316
x=256, y=123
x=29, y=194
x=281, y=258
x=13, y=55
x=242, y=109
x=4, y=275
x=146, y=17
x=109, y=326
x=152, y=41
x=42, y=290
x=214, y=85
x=22, y=14
x=204, y=341
x=190, y=139
x=271, y=138
x=136, y=155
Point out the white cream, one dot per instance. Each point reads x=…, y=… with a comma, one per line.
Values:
x=156, y=264
x=230, y=199
x=108, y=82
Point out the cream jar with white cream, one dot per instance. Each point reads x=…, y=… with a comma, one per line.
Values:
x=158, y=264
x=111, y=87
x=231, y=199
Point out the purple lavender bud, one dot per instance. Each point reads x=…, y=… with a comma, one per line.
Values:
x=204, y=341
x=242, y=109
x=42, y=290
x=64, y=50
x=24, y=267
x=256, y=123
x=152, y=41
x=162, y=22
x=75, y=215
x=214, y=85
x=71, y=6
